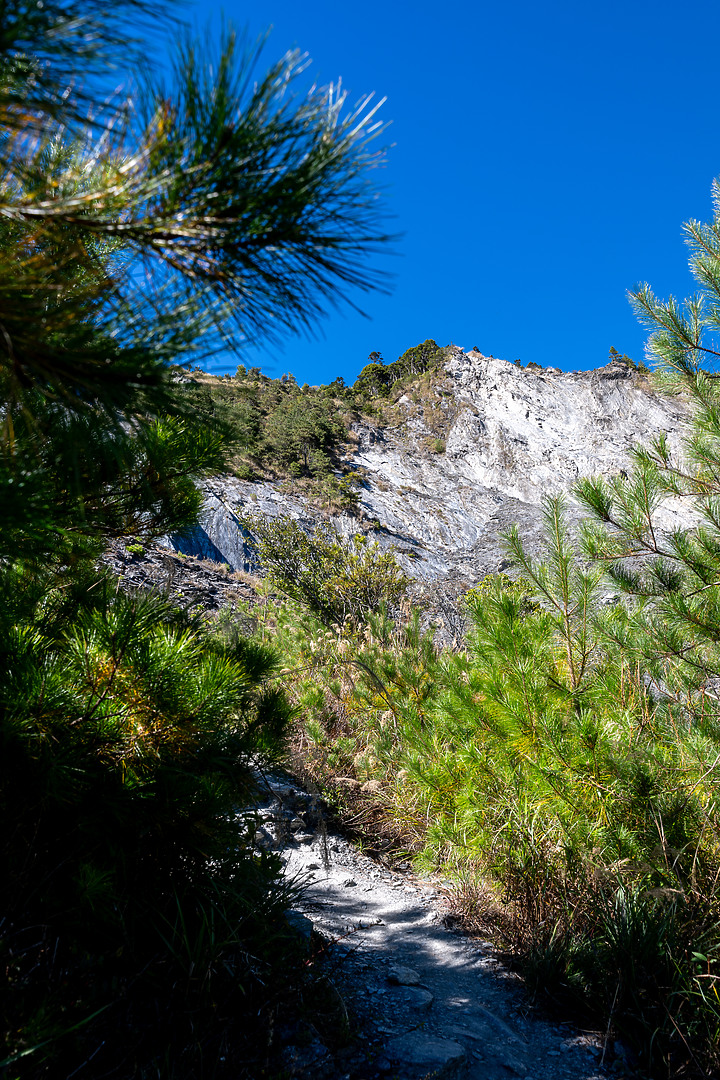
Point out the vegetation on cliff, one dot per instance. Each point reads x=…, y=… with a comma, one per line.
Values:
x=278, y=430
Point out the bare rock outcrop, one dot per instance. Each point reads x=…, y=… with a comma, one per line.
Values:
x=449, y=472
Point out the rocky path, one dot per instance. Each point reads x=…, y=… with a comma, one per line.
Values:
x=425, y=1001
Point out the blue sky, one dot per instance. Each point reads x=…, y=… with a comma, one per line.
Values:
x=544, y=159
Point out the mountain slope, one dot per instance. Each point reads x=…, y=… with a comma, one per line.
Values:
x=459, y=457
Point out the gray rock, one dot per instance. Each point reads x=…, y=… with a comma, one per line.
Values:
x=403, y=976
x=266, y=839
x=413, y=997
x=511, y=435
x=300, y=924
x=499, y=1024
x=419, y=1055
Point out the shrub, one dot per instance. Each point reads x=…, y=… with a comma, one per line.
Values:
x=336, y=579
x=377, y=379
x=128, y=734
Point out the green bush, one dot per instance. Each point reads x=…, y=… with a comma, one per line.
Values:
x=127, y=736
x=336, y=579
x=273, y=427
x=302, y=432
x=340, y=493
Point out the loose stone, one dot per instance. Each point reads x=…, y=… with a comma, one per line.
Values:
x=403, y=976
x=420, y=1054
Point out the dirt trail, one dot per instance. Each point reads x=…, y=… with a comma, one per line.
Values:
x=426, y=1001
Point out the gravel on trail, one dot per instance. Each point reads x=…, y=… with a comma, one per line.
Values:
x=424, y=1000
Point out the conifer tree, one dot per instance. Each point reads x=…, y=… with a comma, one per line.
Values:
x=178, y=218
x=673, y=572
x=138, y=231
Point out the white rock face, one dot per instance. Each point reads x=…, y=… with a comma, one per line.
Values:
x=519, y=434
x=513, y=435
x=524, y=431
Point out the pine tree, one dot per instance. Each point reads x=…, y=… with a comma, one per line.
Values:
x=176, y=220
x=141, y=929
x=673, y=572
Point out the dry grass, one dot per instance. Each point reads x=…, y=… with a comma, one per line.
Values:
x=474, y=908
x=362, y=811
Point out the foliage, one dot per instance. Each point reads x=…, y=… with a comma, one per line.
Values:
x=300, y=433
x=539, y=756
x=143, y=230
x=336, y=579
x=673, y=573
x=614, y=356
x=273, y=427
x=141, y=931
x=357, y=685
x=128, y=733
x=340, y=493
x=374, y=380
x=377, y=378
x=277, y=429
x=518, y=587
x=243, y=196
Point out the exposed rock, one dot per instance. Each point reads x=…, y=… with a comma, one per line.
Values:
x=300, y=923
x=403, y=976
x=499, y=1024
x=467, y=1020
x=415, y=998
x=266, y=839
x=510, y=435
x=189, y=582
x=426, y=1054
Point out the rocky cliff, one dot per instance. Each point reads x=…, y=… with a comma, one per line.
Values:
x=454, y=463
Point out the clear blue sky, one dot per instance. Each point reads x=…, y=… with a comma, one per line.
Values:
x=544, y=159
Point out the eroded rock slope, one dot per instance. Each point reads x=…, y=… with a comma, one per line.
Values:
x=454, y=465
